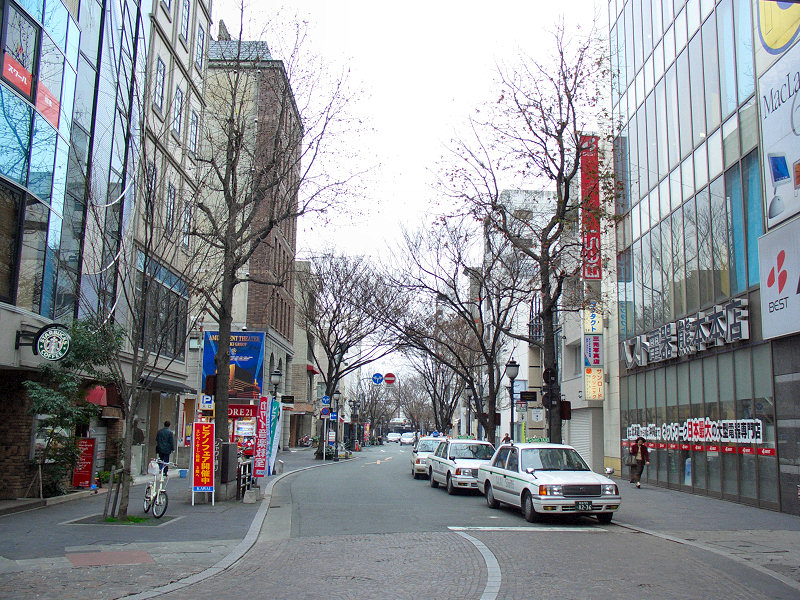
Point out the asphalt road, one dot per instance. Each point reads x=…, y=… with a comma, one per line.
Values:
x=366, y=529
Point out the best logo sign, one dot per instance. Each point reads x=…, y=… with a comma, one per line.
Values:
x=779, y=265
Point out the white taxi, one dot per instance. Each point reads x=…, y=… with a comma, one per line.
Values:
x=419, y=455
x=547, y=479
x=455, y=463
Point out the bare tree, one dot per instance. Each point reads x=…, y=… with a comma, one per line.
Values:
x=377, y=405
x=462, y=289
x=411, y=397
x=339, y=296
x=443, y=388
x=534, y=138
x=269, y=125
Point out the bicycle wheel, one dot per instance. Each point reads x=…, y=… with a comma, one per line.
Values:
x=148, y=498
x=160, y=505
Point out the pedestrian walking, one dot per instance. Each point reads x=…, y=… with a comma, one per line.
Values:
x=165, y=445
x=642, y=457
x=506, y=439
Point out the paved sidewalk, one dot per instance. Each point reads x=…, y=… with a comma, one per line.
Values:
x=45, y=552
x=762, y=539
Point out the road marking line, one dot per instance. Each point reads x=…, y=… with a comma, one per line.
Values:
x=536, y=529
x=494, y=576
x=388, y=458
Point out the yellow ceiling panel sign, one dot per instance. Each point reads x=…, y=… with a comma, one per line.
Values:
x=778, y=24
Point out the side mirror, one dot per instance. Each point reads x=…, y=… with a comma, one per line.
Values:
x=609, y=470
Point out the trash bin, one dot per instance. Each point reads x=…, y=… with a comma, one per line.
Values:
x=183, y=473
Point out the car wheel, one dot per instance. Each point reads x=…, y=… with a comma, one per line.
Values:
x=528, y=511
x=413, y=472
x=490, y=499
x=451, y=489
x=605, y=518
x=434, y=483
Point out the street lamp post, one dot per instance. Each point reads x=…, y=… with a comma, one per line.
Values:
x=469, y=406
x=512, y=370
x=336, y=397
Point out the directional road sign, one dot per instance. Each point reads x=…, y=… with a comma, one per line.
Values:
x=326, y=400
x=389, y=379
x=377, y=379
x=334, y=415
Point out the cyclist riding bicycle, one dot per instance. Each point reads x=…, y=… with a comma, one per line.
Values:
x=165, y=445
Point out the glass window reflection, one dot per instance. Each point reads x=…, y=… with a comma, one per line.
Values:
x=31, y=268
x=43, y=154
x=15, y=131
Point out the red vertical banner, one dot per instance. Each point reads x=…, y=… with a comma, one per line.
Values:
x=261, y=448
x=82, y=473
x=202, y=457
x=590, y=196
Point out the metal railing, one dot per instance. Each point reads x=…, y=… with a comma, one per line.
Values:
x=244, y=477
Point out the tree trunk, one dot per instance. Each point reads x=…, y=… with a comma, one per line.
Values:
x=127, y=453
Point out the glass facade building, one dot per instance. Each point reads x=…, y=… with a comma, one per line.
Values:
x=699, y=378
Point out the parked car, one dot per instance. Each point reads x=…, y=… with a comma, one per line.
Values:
x=455, y=463
x=545, y=479
x=419, y=455
x=393, y=437
x=407, y=438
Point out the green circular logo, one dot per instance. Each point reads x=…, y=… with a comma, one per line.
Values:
x=52, y=342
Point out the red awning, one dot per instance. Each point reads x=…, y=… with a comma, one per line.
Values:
x=312, y=369
x=97, y=395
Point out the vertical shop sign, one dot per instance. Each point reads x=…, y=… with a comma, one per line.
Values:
x=590, y=196
x=82, y=474
x=262, y=438
x=202, y=458
x=275, y=415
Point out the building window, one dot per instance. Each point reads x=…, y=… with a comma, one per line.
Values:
x=194, y=127
x=164, y=308
x=169, y=210
x=177, y=111
x=19, y=51
x=185, y=19
x=15, y=136
x=158, y=91
x=187, y=224
x=201, y=46
x=150, y=193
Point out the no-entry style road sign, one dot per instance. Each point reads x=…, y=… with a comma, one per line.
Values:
x=389, y=379
x=377, y=379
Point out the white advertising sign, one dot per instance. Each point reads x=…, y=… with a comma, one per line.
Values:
x=778, y=94
x=779, y=263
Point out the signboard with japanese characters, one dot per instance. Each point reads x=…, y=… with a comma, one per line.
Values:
x=592, y=320
x=202, y=457
x=723, y=324
x=593, y=351
x=593, y=380
x=590, y=192
x=261, y=450
x=703, y=434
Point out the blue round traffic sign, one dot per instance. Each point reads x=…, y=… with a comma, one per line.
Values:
x=377, y=379
x=325, y=411
x=326, y=399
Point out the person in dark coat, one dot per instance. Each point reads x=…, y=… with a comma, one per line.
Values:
x=639, y=450
x=165, y=445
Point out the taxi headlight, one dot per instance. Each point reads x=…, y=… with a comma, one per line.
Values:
x=464, y=472
x=610, y=489
x=550, y=490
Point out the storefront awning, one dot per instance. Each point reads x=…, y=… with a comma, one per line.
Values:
x=312, y=369
x=97, y=395
x=159, y=384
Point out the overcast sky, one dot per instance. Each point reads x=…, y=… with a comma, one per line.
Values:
x=424, y=67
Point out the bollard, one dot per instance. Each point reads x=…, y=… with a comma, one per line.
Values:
x=278, y=467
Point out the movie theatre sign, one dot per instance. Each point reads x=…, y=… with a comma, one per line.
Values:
x=725, y=324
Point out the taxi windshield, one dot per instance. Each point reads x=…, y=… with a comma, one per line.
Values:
x=427, y=445
x=479, y=451
x=552, y=459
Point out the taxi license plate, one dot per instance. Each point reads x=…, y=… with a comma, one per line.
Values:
x=583, y=506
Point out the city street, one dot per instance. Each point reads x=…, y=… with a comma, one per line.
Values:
x=364, y=528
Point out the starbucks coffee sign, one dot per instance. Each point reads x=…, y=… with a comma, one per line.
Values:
x=52, y=342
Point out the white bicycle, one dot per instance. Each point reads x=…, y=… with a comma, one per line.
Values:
x=155, y=496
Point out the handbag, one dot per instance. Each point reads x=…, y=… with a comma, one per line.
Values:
x=630, y=460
